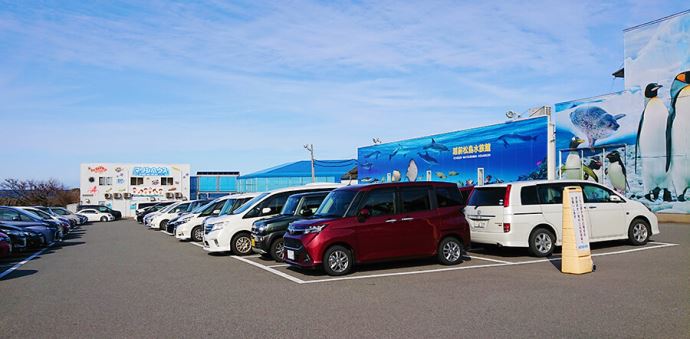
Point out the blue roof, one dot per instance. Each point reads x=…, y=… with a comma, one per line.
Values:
x=322, y=168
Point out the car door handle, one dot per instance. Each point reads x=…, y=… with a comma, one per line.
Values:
x=391, y=220
x=406, y=219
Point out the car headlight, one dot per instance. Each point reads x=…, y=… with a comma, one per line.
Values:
x=17, y=233
x=219, y=226
x=314, y=229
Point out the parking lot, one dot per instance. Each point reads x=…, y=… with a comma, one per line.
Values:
x=121, y=279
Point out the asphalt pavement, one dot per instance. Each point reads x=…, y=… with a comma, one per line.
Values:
x=120, y=279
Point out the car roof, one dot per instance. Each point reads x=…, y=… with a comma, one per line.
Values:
x=306, y=187
x=306, y=194
x=537, y=182
x=367, y=187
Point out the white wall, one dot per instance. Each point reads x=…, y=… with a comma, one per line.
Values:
x=109, y=183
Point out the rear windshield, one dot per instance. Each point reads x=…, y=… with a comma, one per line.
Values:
x=487, y=196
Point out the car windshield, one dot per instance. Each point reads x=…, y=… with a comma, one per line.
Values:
x=41, y=214
x=290, y=205
x=335, y=204
x=59, y=211
x=204, y=206
x=166, y=209
x=231, y=205
x=249, y=204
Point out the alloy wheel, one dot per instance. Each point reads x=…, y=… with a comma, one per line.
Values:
x=338, y=261
x=243, y=244
x=451, y=251
x=640, y=232
x=543, y=243
x=198, y=234
x=280, y=250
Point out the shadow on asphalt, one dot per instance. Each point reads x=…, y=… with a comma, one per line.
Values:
x=386, y=265
x=69, y=241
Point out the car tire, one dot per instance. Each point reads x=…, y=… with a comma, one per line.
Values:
x=278, y=250
x=241, y=244
x=450, y=251
x=197, y=234
x=104, y=218
x=163, y=226
x=639, y=232
x=542, y=242
x=337, y=260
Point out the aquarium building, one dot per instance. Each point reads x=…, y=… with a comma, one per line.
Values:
x=294, y=174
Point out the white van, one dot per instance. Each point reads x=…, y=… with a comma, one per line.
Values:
x=232, y=232
x=160, y=219
x=529, y=214
x=191, y=226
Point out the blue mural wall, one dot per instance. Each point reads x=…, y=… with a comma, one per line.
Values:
x=646, y=125
x=510, y=151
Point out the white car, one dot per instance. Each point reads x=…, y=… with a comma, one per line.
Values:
x=96, y=215
x=232, y=232
x=191, y=226
x=160, y=219
x=529, y=214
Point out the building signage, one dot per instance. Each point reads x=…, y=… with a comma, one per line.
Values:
x=150, y=171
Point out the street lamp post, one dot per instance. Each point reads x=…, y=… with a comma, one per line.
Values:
x=310, y=148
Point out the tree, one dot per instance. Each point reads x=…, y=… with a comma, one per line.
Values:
x=51, y=192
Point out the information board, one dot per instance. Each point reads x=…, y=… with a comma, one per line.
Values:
x=579, y=220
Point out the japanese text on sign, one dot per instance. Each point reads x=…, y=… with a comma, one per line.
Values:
x=579, y=221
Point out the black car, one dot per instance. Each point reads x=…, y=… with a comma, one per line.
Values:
x=103, y=209
x=172, y=224
x=267, y=234
x=142, y=212
x=17, y=236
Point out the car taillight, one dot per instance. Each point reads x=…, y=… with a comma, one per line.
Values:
x=506, y=227
x=506, y=198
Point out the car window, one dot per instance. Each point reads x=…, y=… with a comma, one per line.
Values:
x=25, y=217
x=380, y=202
x=313, y=203
x=595, y=194
x=528, y=195
x=447, y=197
x=8, y=214
x=275, y=203
x=487, y=196
x=415, y=199
x=550, y=194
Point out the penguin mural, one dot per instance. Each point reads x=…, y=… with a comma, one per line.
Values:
x=652, y=151
x=573, y=164
x=616, y=172
x=677, y=136
x=593, y=170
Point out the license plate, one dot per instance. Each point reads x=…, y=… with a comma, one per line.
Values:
x=290, y=254
x=253, y=242
x=480, y=223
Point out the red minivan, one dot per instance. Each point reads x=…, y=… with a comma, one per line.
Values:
x=367, y=223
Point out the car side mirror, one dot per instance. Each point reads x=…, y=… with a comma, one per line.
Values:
x=16, y=218
x=615, y=198
x=306, y=212
x=215, y=211
x=363, y=214
x=265, y=210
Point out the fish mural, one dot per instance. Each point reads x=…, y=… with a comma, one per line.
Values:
x=435, y=146
x=595, y=122
x=428, y=158
x=374, y=154
x=369, y=180
x=443, y=157
x=508, y=139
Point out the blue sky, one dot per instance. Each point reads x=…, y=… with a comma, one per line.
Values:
x=243, y=85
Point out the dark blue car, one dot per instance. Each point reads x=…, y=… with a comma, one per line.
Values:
x=19, y=218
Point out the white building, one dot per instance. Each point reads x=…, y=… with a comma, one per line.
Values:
x=122, y=186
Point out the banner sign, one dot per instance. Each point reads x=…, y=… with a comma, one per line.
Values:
x=150, y=171
x=579, y=223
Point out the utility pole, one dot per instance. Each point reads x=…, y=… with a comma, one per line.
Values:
x=310, y=148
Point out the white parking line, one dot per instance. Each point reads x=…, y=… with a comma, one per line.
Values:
x=21, y=263
x=498, y=263
x=196, y=244
x=269, y=269
x=166, y=232
x=489, y=259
